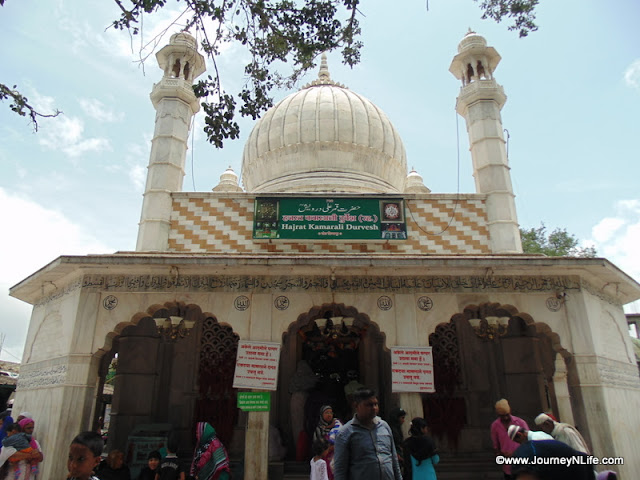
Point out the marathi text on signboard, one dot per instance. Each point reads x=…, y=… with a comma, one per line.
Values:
x=340, y=218
x=412, y=369
x=254, y=401
x=257, y=365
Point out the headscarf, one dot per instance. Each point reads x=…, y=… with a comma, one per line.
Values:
x=23, y=423
x=543, y=417
x=323, y=428
x=8, y=421
x=396, y=426
x=552, y=449
x=210, y=459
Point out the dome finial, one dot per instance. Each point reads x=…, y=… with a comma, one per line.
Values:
x=324, y=78
x=323, y=74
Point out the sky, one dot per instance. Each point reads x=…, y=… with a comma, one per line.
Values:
x=75, y=186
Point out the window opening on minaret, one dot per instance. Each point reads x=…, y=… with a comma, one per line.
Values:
x=480, y=70
x=469, y=72
x=186, y=71
x=176, y=69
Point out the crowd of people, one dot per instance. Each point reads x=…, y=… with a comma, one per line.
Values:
x=368, y=448
x=20, y=453
x=512, y=437
x=365, y=448
x=210, y=459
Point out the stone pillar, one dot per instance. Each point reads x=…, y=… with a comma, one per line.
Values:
x=175, y=104
x=134, y=384
x=480, y=102
x=407, y=336
x=603, y=379
x=561, y=388
x=59, y=375
x=256, y=451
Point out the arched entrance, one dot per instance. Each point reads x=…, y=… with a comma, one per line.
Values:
x=216, y=402
x=327, y=353
x=487, y=352
x=175, y=366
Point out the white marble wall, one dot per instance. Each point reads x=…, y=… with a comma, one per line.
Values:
x=59, y=375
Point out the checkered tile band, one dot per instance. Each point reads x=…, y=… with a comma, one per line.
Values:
x=223, y=224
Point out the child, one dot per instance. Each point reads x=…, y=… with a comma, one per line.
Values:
x=113, y=467
x=149, y=472
x=84, y=456
x=16, y=438
x=319, y=448
x=170, y=468
x=18, y=447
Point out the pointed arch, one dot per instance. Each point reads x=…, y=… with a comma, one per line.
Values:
x=487, y=351
x=361, y=356
x=178, y=376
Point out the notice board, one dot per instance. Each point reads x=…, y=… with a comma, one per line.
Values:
x=412, y=369
x=257, y=365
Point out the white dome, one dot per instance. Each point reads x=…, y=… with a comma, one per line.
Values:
x=471, y=40
x=324, y=138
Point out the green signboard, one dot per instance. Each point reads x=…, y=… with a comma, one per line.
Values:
x=338, y=218
x=254, y=401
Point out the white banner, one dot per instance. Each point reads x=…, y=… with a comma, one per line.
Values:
x=257, y=365
x=412, y=369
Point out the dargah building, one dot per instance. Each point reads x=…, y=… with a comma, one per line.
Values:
x=329, y=265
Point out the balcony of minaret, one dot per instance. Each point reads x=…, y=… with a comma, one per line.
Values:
x=175, y=88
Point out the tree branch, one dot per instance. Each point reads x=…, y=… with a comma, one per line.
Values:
x=20, y=104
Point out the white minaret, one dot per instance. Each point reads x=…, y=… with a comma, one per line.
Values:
x=175, y=105
x=480, y=102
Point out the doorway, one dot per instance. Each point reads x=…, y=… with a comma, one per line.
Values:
x=327, y=354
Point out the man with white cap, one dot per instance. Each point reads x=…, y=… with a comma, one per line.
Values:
x=502, y=444
x=23, y=415
x=522, y=435
x=563, y=432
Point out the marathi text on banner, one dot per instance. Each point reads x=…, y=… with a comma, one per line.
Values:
x=257, y=365
x=412, y=369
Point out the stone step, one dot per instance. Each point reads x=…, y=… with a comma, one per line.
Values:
x=470, y=466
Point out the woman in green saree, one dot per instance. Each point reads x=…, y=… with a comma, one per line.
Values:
x=210, y=459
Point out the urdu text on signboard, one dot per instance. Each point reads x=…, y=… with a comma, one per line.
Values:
x=322, y=218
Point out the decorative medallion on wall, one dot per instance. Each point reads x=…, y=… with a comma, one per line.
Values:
x=554, y=303
x=241, y=303
x=281, y=302
x=385, y=303
x=425, y=304
x=110, y=302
